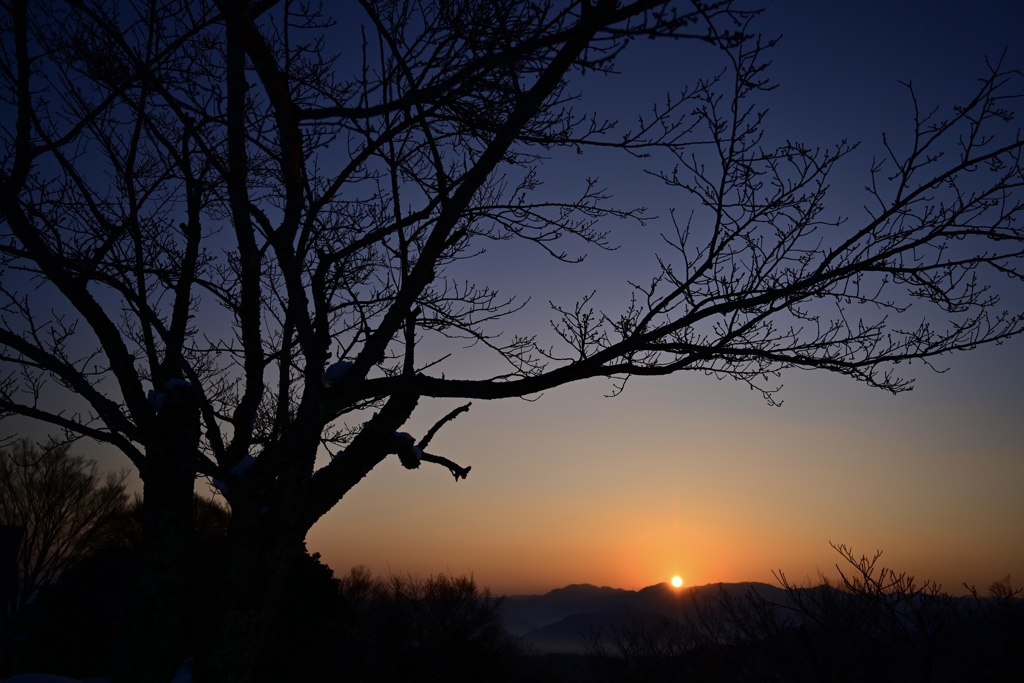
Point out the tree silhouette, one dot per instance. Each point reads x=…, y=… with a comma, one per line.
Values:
x=63, y=509
x=443, y=628
x=231, y=236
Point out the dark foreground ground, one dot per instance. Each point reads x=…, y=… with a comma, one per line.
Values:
x=445, y=628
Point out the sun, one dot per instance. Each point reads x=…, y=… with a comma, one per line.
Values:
x=677, y=582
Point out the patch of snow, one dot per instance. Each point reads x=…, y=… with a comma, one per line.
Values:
x=184, y=674
x=335, y=373
x=157, y=399
x=243, y=465
x=409, y=453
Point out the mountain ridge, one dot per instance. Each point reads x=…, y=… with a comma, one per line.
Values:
x=557, y=621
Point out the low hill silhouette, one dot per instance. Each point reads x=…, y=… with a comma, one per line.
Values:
x=557, y=621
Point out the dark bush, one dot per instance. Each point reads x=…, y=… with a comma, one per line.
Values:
x=443, y=628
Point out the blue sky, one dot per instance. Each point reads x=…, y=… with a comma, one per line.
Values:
x=696, y=476
x=688, y=474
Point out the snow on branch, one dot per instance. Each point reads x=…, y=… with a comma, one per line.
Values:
x=412, y=454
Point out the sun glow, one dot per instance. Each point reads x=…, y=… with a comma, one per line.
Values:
x=677, y=582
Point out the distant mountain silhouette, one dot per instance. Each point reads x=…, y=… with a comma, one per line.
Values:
x=525, y=613
x=557, y=621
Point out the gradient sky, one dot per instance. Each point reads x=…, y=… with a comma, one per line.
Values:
x=698, y=477
x=694, y=476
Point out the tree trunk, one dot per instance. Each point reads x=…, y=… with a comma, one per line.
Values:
x=257, y=560
x=10, y=544
x=152, y=635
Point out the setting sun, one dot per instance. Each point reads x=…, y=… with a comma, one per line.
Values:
x=677, y=582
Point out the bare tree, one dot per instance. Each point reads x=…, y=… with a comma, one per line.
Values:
x=444, y=627
x=62, y=504
x=232, y=232
x=875, y=623
x=872, y=623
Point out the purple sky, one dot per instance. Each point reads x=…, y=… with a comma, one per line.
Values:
x=689, y=475
x=693, y=476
